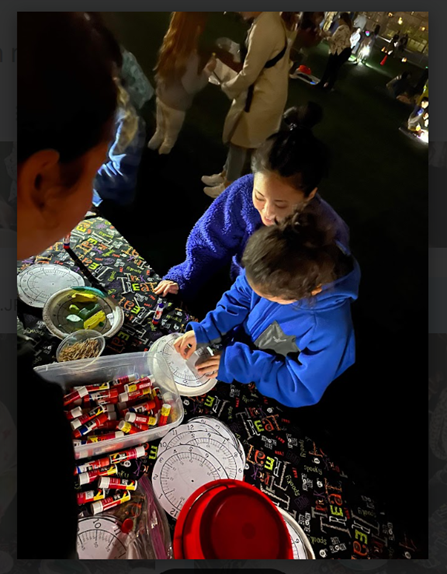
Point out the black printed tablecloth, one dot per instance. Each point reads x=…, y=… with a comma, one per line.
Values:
x=340, y=520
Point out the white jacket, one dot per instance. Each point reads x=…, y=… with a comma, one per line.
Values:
x=340, y=40
x=266, y=38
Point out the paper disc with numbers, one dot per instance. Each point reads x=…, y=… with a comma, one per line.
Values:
x=213, y=443
x=302, y=550
x=101, y=538
x=37, y=283
x=180, y=471
x=187, y=379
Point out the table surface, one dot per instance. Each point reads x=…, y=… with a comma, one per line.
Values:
x=339, y=519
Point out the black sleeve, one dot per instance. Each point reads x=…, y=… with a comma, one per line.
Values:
x=46, y=499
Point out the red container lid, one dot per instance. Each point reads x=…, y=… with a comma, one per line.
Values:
x=230, y=519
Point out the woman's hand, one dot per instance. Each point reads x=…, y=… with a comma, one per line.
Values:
x=211, y=65
x=211, y=365
x=165, y=287
x=186, y=344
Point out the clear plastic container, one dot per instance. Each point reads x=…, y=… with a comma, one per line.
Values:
x=77, y=373
x=80, y=337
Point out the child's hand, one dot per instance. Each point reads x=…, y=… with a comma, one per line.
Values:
x=210, y=366
x=165, y=287
x=186, y=344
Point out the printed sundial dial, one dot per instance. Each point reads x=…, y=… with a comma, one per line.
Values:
x=37, y=283
x=189, y=382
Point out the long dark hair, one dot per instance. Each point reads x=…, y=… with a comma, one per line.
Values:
x=66, y=93
x=294, y=153
x=292, y=259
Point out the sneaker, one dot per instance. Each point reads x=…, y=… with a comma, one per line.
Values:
x=213, y=180
x=214, y=191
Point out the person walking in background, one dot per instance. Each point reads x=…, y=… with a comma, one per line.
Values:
x=259, y=93
x=366, y=44
x=179, y=76
x=339, y=52
x=309, y=34
x=402, y=46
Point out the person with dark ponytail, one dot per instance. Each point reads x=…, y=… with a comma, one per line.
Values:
x=66, y=104
x=285, y=324
x=287, y=170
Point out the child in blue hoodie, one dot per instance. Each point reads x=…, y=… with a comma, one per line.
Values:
x=286, y=322
x=287, y=170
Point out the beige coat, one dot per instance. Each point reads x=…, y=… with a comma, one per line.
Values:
x=266, y=38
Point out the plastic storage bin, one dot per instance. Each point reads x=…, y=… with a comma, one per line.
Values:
x=81, y=372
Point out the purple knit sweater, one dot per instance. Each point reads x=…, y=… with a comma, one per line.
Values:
x=222, y=232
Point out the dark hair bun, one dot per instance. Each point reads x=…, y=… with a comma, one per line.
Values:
x=305, y=117
x=308, y=228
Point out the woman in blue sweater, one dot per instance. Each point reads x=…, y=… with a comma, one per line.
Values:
x=285, y=324
x=287, y=170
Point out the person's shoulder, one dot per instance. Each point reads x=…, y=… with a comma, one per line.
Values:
x=241, y=189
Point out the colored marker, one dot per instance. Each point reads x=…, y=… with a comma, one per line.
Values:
x=110, y=502
x=94, y=424
x=127, y=428
x=125, y=397
x=92, y=475
x=165, y=410
x=67, y=241
x=143, y=383
x=125, y=380
x=158, y=398
x=74, y=413
x=75, y=395
x=90, y=496
x=143, y=407
x=87, y=417
x=93, y=465
x=158, y=313
x=109, y=425
x=130, y=454
x=140, y=419
x=105, y=396
x=98, y=387
x=117, y=483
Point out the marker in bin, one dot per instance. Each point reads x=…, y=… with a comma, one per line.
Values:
x=94, y=424
x=95, y=388
x=74, y=413
x=125, y=380
x=143, y=407
x=117, y=483
x=157, y=397
x=164, y=415
x=91, y=496
x=127, y=428
x=110, y=502
x=105, y=396
x=111, y=459
x=108, y=426
x=89, y=416
x=134, y=418
x=158, y=313
x=75, y=395
x=126, y=397
x=92, y=475
x=143, y=383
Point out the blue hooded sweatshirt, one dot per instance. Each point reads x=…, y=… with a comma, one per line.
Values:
x=222, y=232
x=291, y=352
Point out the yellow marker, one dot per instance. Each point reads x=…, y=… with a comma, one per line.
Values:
x=95, y=320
